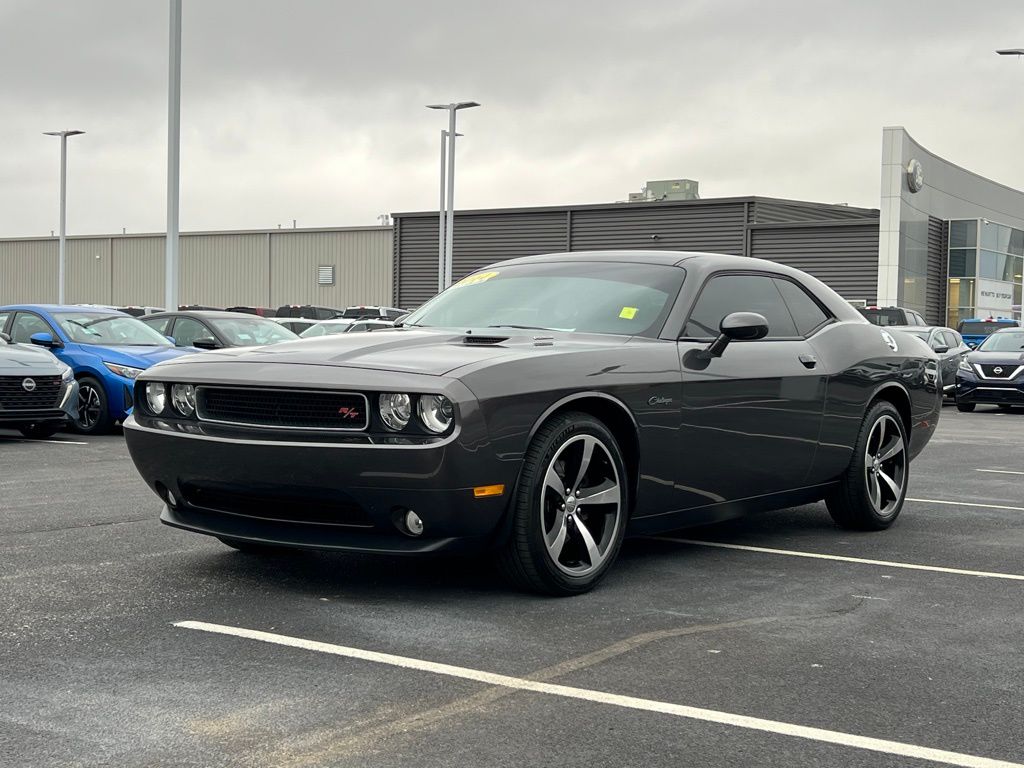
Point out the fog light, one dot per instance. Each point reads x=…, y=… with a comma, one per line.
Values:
x=413, y=524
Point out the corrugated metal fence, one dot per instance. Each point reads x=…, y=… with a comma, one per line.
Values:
x=255, y=268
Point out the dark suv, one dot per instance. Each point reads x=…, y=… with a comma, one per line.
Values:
x=891, y=316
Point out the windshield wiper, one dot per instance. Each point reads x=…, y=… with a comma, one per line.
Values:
x=523, y=327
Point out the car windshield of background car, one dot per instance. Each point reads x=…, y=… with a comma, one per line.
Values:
x=1003, y=342
x=587, y=297
x=251, y=331
x=883, y=316
x=325, y=329
x=109, y=330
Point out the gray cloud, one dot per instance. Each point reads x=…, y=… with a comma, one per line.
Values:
x=314, y=110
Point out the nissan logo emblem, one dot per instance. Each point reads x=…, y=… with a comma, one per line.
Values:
x=29, y=385
x=998, y=370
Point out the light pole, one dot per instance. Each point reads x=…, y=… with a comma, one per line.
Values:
x=61, y=260
x=447, y=212
x=173, y=157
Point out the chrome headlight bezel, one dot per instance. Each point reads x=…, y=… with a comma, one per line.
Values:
x=395, y=409
x=183, y=400
x=436, y=413
x=156, y=397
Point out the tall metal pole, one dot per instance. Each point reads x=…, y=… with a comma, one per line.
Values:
x=449, y=227
x=440, y=219
x=61, y=258
x=171, y=261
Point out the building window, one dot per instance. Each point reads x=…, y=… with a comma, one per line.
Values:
x=963, y=234
x=986, y=270
x=961, y=262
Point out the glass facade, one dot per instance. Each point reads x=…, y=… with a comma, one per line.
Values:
x=986, y=270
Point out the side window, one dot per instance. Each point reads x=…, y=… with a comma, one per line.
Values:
x=25, y=324
x=950, y=339
x=187, y=330
x=918, y=319
x=355, y=327
x=159, y=324
x=725, y=294
x=806, y=312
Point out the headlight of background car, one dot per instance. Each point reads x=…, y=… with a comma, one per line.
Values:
x=156, y=396
x=66, y=373
x=436, y=412
x=183, y=398
x=124, y=370
x=395, y=410
x=965, y=366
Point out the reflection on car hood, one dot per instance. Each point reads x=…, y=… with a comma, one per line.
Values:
x=138, y=357
x=25, y=360
x=412, y=350
x=996, y=358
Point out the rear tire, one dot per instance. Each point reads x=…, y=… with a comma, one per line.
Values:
x=965, y=407
x=1004, y=407
x=93, y=416
x=39, y=431
x=571, y=507
x=872, y=490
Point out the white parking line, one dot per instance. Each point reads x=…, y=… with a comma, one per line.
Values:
x=967, y=504
x=29, y=440
x=601, y=697
x=1000, y=471
x=845, y=559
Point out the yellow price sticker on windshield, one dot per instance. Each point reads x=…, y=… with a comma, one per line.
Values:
x=628, y=313
x=481, y=277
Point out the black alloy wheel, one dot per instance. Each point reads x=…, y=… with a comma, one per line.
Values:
x=93, y=413
x=872, y=490
x=570, y=509
x=38, y=431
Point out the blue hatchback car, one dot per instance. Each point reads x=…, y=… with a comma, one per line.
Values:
x=106, y=350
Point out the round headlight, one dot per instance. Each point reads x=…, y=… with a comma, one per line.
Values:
x=436, y=412
x=183, y=398
x=395, y=410
x=156, y=396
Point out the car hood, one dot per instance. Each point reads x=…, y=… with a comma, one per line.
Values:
x=996, y=358
x=138, y=357
x=412, y=350
x=24, y=360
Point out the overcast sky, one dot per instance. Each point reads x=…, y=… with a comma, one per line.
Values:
x=313, y=109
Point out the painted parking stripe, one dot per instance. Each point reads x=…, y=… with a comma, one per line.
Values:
x=29, y=440
x=613, y=699
x=967, y=504
x=845, y=559
x=1001, y=471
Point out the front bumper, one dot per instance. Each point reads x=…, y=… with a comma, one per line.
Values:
x=310, y=492
x=64, y=412
x=972, y=389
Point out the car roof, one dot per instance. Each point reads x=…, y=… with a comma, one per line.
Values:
x=1010, y=329
x=60, y=308
x=919, y=328
x=209, y=314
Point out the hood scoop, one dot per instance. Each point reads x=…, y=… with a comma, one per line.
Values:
x=483, y=341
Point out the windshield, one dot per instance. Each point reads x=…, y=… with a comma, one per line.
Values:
x=982, y=327
x=1003, y=342
x=883, y=316
x=588, y=297
x=325, y=329
x=252, y=331
x=109, y=330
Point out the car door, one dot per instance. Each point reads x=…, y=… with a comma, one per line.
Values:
x=751, y=418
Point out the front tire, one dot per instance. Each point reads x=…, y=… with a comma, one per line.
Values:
x=872, y=490
x=965, y=407
x=93, y=411
x=570, y=509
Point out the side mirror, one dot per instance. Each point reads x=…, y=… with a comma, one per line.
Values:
x=45, y=340
x=971, y=345
x=739, y=326
x=207, y=342
x=940, y=350
x=398, y=321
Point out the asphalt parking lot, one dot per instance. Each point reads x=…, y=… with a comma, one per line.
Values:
x=126, y=643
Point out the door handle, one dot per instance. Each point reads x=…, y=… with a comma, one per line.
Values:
x=809, y=361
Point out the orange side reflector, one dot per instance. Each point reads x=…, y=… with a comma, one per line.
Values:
x=488, y=490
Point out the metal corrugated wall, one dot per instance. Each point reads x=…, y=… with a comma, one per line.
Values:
x=938, y=270
x=777, y=211
x=268, y=267
x=716, y=227
x=844, y=256
x=28, y=271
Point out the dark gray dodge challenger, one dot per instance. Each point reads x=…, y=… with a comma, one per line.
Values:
x=544, y=408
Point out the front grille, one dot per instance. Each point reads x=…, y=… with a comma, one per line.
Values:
x=277, y=505
x=283, y=408
x=1005, y=371
x=14, y=396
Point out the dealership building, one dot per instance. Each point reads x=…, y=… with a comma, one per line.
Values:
x=944, y=241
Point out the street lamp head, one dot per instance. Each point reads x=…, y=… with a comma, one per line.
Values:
x=1011, y=52
x=62, y=133
x=454, y=105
